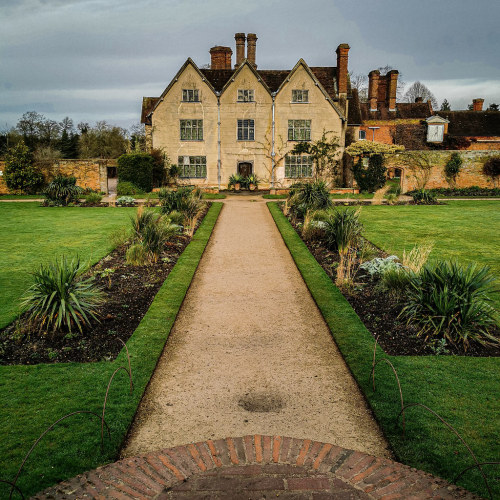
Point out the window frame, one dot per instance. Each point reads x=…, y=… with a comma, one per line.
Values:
x=186, y=92
x=198, y=128
x=250, y=95
x=301, y=92
x=249, y=127
x=294, y=128
x=364, y=135
x=194, y=162
x=303, y=169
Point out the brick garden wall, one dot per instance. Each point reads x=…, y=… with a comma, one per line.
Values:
x=470, y=173
x=89, y=173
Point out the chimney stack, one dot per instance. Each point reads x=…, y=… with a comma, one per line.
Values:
x=419, y=99
x=392, y=87
x=251, y=48
x=342, y=60
x=477, y=104
x=220, y=57
x=240, y=48
x=373, y=79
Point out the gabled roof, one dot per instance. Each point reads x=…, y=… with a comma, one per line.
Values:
x=437, y=119
x=251, y=67
x=473, y=123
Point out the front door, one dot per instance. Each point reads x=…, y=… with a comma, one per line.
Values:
x=244, y=168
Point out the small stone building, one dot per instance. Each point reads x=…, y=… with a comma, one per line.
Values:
x=225, y=120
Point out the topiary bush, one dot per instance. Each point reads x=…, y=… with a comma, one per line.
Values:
x=492, y=168
x=452, y=167
x=372, y=177
x=137, y=168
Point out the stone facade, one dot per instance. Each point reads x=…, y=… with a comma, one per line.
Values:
x=471, y=172
x=89, y=173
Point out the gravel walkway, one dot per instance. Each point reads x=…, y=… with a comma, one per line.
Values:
x=250, y=352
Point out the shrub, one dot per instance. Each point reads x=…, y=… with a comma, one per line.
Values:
x=396, y=280
x=314, y=225
x=492, y=168
x=176, y=217
x=452, y=302
x=452, y=167
x=93, y=198
x=177, y=200
x=375, y=268
x=343, y=230
x=305, y=196
x=136, y=168
x=62, y=191
x=372, y=177
x=57, y=299
x=125, y=201
x=19, y=173
x=127, y=189
x=136, y=255
x=423, y=197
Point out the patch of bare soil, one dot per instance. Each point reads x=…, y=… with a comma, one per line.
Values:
x=129, y=292
x=380, y=312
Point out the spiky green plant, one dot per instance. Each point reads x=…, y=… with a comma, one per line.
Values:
x=59, y=300
x=343, y=229
x=63, y=190
x=450, y=301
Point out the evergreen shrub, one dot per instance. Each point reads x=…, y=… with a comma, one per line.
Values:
x=136, y=168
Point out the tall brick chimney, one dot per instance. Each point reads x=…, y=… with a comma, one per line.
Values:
x=251, y=48
x=477, y=104
x=392, y=87
x=220, y=57
x=342, y=61
x=240, y=48
x=373, y=80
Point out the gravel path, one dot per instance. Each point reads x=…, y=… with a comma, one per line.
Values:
x=250, y=352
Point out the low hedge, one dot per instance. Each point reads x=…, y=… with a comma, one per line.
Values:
x=136, y=168
x=467, y=192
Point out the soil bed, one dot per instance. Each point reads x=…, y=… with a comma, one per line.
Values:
x=129, y=292
x=379, y=311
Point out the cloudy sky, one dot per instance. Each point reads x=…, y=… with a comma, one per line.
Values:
x=94, y=59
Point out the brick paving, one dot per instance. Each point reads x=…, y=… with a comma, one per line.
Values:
x=256, y=467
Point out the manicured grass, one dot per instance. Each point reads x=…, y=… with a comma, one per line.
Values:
x=463, y=390
x=35, y=396
x=468, y=231
x=21, y=196
x=213, y=196
x=30, y=235
x=275, y=196
x=352, y=196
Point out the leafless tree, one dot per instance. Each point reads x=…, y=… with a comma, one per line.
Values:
x=418, y=89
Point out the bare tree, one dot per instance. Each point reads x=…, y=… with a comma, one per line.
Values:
x=418, y=89
x=360, y=83
x=67, y=124
x=401, y=83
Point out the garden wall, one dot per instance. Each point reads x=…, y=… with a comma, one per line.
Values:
x=471, y=172
x=89, y=173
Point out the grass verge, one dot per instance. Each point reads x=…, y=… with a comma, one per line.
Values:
x=35, y=396
x=447, y=384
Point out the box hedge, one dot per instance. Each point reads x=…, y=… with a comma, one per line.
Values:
x=136, y=168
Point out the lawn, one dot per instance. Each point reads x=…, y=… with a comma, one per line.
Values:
x=30, y=234
x=463, y=390
x=33, y=397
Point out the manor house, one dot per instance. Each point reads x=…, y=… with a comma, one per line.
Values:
x=225, y=120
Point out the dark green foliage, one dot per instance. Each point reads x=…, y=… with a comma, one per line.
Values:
x=57, y=300
x=160, y=172
x=136, y=168
x=493, y=107
x=305, y=196
x=93, y=199
x=127, y=189
x=62, y=191
x=372, y=177
x=452, y=167
x=451, y=301
x=445, y=106
x=20, y=174
x=492, y=167
x=68, y=145
x=424, y=197
x=177, y=200
x=343, y=229
x=468, y=191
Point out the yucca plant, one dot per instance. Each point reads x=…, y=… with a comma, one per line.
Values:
x=58, y=300
x=343, y=230
x=63, y=190
x=423, y=197
x=450, y=301
x=171, y=200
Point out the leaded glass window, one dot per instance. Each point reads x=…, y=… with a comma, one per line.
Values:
x=299, y=130
x=245, y=95
x=300, y=96
x=189, y=95
x=192, y=166
x=191, y=130
x=246, y=130
x=298, y=166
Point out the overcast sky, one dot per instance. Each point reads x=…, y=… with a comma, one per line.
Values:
x=94, y=59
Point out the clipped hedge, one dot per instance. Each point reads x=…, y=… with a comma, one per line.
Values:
x=136, y=168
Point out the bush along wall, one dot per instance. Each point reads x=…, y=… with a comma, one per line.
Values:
x=136, y=168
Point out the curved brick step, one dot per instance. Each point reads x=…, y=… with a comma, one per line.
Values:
x=254, y=467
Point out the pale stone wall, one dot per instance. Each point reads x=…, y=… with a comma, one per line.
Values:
x=89, y=173
x=471, y=173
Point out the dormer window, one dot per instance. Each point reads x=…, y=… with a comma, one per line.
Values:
x=436, y=128
x=190, y=95
x=245, y=95
x=300, y=96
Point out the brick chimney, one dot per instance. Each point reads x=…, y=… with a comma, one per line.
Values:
x=373, y=80
x=220, y=57
x=392, y=87
x=342, y=60
x=419, y=99
x=251, y=48
x=240, y=48
x=477, y=104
